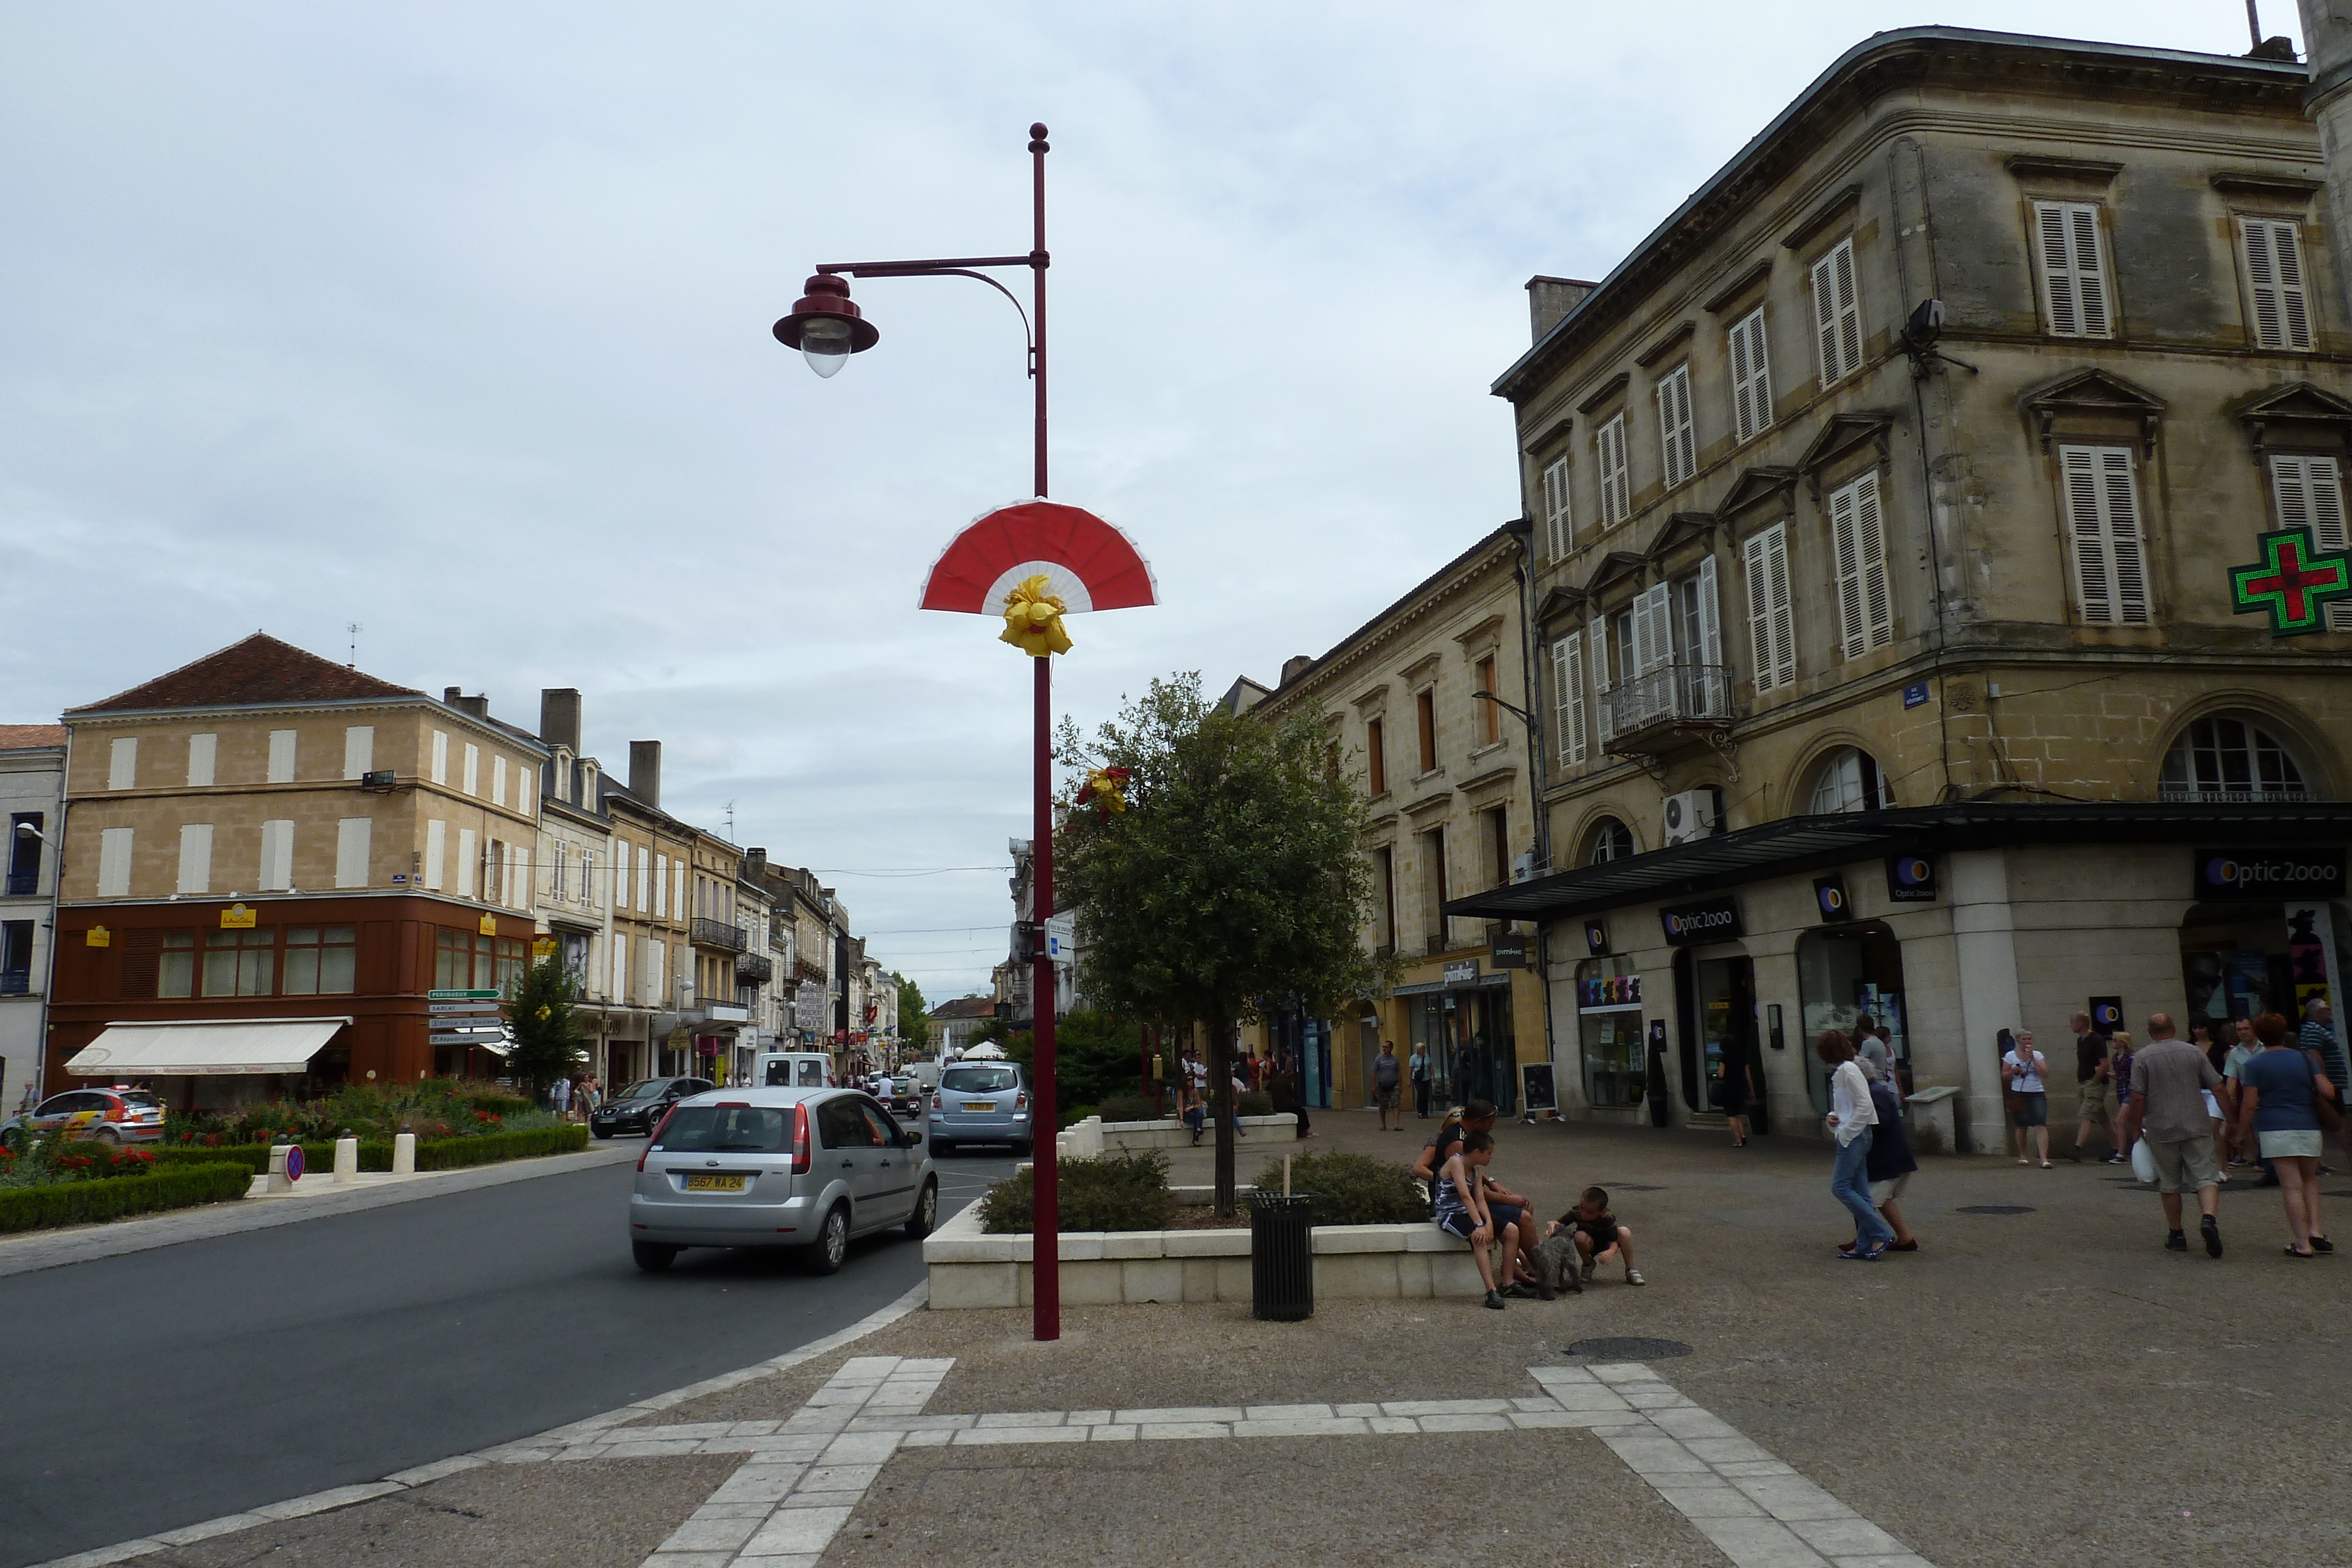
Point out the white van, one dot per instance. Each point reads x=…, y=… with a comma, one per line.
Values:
x=793, y=1070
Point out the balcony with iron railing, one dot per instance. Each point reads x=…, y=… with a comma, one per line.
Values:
x=780, y=937
x=718, y=934
x=757, y=967
x=16, y=982
x=24, y=884
x=2188, y=795
x=1668, y=707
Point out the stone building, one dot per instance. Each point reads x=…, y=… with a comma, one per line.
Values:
x=32, y=788
x=1447, y=777
x=1885, y=499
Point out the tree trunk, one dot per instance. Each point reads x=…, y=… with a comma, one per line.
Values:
x=1221, y=1103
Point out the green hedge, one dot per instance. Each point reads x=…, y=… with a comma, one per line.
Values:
x=254, y=1157
x=435, y=1154
x=1120, y=1192
x=82, y=1202
x=1350, y=1189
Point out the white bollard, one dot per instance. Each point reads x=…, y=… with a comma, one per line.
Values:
x=403, y=1155
x=347, y=1162
x=280, y=1180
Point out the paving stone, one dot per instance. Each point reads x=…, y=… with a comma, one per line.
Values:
x=1617, y=1372
x=1704, y=1500
x=1324, y=1426
x=1759, y=1543
x=1845, y=1538
x=1792, y=1497
x=838, y=1478
x=797, y=1529
x=1287, y=1411
x=1654, y=1456
x=1464, y=1423
x=701, y=1534
x=1160, y=1430
x=1182, y=1414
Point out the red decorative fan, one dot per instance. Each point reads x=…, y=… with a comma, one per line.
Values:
x=1085, y=560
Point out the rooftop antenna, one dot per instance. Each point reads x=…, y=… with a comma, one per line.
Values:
x=2254, y=22
x=354, y=628
x=731, y=821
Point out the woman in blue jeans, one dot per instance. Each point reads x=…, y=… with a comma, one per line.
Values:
x=1853, y=1119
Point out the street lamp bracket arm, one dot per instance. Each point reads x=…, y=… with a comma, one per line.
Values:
x=951, y=269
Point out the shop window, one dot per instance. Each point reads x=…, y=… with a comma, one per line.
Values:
x=240, y=963
x=1845, y=974
x=175, y=972
x=1849, y=781
x=321, y=960
x=513, y=959
x=1609, y=1025
x=1610, y=840
x=2229, y=761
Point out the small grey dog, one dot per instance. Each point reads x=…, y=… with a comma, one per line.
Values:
x=1557, y=1267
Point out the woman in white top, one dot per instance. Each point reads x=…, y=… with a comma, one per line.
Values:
x=2025, y=1074
x=1853, y=1122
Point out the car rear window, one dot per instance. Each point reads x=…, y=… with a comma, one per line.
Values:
x=139, y=1100
x=980, y=1079
x=650, y=1089
x=727, y=1129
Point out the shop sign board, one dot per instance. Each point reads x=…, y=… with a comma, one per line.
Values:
x=1910, y=879
x=1596, y=937
x=1610, y=994
x=2107, y=1014
x=1509, y=952
x=1696, y=925
x=2269, y=875
x=1461, y=972
x=1829, y=897
x=808, y=1006
x=1536, y=1092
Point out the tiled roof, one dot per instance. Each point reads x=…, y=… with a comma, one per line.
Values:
x=964, y=1007
x=261, y=669
x=26, y=736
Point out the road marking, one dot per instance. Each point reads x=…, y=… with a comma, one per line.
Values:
x=803, y=1477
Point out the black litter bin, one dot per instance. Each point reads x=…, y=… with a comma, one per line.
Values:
x=1281, y=1257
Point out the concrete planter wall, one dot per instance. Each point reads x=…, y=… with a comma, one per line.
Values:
x=970, y=1267
x=1094, y=1138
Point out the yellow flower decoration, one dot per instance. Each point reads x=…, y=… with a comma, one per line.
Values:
x=544, y=1013
x=1032, y=618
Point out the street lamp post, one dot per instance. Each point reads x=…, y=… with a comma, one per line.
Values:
x=827, y=328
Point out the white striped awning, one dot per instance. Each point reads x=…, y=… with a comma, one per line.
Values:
x=206, y=1049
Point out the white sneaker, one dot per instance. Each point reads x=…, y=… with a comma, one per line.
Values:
x=1587, y=1275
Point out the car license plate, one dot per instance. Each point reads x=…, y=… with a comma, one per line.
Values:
x=714, y=1184
x=980, y=1104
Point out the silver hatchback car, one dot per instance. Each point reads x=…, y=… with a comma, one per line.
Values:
x=982, y=1103
x=806, y=1168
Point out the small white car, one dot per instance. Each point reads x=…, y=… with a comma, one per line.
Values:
x=803, y=1168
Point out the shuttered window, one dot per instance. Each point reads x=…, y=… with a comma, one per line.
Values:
x=276, y=855
x=2274, y=284
x=203, y=749
x=359, y=750
x=353, y=836
x=1604, y=716
x=1751, y=376
x=1616, y=485
x=473, y=781
x=467, y=867
x=122, y=764
x=1559, y=532
x=2074, y=269
x=437, y=850
x=2104, y=535
x=1567, y=697
x=1771, y=619
x=196, y=857
x=1837, y=313
x=440, y=757
x=114, y=862
x=1858, y=537
x=2308, y=492
x=1678, y=446
x=497, y=780
x=281, y=755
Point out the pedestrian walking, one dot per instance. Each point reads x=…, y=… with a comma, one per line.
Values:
x=2278, y=1098
x=2319, y=1037
x=1891, y=1165
x=559, y=1098
x=2120, y=1047
x=592, y=1096
x=2024, y=1073
x=2091, y=1079
x=1385, y=1073
x=2164, y=1107
x=1852, y=1118
x=1417, y=1067
x=1870, y=1048
x=1731, y=1094
x=2243, y=1048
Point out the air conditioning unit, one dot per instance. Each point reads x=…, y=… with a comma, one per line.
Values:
x=1524, y=868
x=1693, y=814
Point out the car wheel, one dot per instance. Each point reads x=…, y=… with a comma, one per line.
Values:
x=1022, y=1148
x=831, y=1249
x=652, y=1256
x=602, y=1131
x=109, y=1136
x=940, y=1150
x=926, y=1217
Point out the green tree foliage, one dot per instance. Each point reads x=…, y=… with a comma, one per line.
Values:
x=1233, y=879
x=1093, y=1057
x=914, y=1015
x=547, y=1034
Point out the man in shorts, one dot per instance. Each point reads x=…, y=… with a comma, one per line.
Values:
x=2166, y=1108
x=1460, y=1209
x=1386, y=1071
x=2090, y=1083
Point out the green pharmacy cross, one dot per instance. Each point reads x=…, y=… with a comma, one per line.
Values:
x=2293, y=582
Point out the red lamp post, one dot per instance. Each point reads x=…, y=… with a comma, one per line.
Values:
x=827, y=328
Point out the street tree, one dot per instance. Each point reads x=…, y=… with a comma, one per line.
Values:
x=914, y=1015
x=1221, y=877
x=547, y=1035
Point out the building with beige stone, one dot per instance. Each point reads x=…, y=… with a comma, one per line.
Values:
x=1885, y=500
x=32, y=787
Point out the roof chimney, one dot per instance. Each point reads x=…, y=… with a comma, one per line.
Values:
x=1296, y=666
x=559, y=717
x=755, y=864
x=1549, y=298
x=644, y=771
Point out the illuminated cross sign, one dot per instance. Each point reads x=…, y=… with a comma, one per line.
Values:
x=2294, y=582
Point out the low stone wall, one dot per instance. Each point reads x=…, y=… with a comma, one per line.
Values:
x=970, y=1267
x=1093, y=1137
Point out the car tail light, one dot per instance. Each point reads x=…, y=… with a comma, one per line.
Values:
x=655, y=1137
x=802, y=1159
x=1021, y=1101
x=935, y=1104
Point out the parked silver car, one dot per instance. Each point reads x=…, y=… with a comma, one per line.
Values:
x=806, y=1168
x=981, y=1103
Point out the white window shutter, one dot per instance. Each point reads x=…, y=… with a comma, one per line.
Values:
x=661, y=887
x=203, y=752
x=1751, y=376
x=114, y=862
x=473, y=779
x=620, y=967
x=497, y=780
x=281, y=755
x=1710, y=622
x=1849, y=307
x=2273, y=255
x=196, y=857
x=2118, y=486
x=359, y=750
x=2308, y=492
x=2085, y=525
x=1567, y=696
x=2294, y=305
x=353, y=838
x=2090, y=270
x=1784, y=608
x=2059, y=304
x=1852, y=629
x=467, y=867
x=1870, y=535
x=1616, y=492
x=436, y=846
x=1677, y=450
x=122, y=764
x=1659, y=601
x=276, y=855
x=1558, y=529
x=1603, y=714
x=440, y=757
x=1758, y=592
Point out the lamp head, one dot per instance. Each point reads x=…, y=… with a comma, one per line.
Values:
x=825, y=326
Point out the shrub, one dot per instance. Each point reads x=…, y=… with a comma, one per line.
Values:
x=46, y=1162
x=1069, y=1117
x=1129, y=1108
x=81, y=1202
x=1118, y=1192
x=455, y=1153
x=1350, y=1189
x=1255, y=1102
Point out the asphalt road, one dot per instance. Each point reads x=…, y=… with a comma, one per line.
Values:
x=160, y=1389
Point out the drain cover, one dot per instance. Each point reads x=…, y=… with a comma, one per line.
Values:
x=1629, y=1349
x=1993, y=1209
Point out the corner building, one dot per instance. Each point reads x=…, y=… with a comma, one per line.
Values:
x=1885, y=499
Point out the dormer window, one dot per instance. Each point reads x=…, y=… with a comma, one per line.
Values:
x=562, y=773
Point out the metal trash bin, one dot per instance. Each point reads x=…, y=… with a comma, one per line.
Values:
x=1281, y=1257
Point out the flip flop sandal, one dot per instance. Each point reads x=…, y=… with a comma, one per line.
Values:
x=2293, y=1253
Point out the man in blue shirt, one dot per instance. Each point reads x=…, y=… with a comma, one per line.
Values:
x=2318, y=1034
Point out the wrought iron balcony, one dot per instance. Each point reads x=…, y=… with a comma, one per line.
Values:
x=16, y=982
x=2188, y=795
x=1664, y=709
x=757, y=967
x=718, y=934
x=24, y=884
x=780, y=937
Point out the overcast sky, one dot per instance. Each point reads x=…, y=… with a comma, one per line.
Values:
x=452, y=320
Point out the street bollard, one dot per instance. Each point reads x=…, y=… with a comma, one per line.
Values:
x=347, y=1162
x=403, y=1155
x=285, y=1167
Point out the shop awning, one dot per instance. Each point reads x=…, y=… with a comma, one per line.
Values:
x=189, y=1049
x=1793, y=845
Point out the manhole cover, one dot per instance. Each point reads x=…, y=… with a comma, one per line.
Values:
x=1629, y=1349
x=1633, y=1186
x=2346, y=1193
x=1993, y=1209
